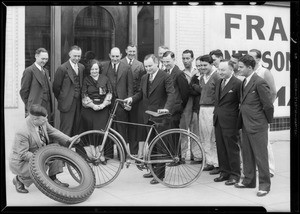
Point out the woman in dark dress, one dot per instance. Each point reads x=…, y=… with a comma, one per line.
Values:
x=96, y=98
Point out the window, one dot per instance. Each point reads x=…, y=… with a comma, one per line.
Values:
x=37, y=32
x=94, y=33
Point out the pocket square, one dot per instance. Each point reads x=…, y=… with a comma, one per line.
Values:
x=230, y=91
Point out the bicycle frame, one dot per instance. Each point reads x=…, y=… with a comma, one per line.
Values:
x=108, y=129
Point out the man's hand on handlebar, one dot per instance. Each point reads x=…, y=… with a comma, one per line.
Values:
x=162, y=111
x=128, y=100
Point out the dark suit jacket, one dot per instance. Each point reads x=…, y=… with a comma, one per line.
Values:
x=138, y=70
x=124, y=84
x=227, y=103
x=256, y=109
x=182, y=89
x=63, y=85
x=161, y=95
x=32, y=84
x=195, y=92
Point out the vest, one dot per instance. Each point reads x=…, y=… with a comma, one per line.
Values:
x=76, y=85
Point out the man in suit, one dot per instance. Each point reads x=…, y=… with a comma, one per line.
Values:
x=180, y=84
x=120, y=77
x=217, y=56
x=67, y=85
x=225, y=119
x=36, y=86
x=266, y=75
x=181, y=96
x=34, y=133
x=256, y=111
x=157, y=94
x=135, y=134
x=161, y=50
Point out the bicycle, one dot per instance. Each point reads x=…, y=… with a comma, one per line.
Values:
x=104, y=151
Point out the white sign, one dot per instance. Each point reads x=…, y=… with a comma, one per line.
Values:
x=242, y=28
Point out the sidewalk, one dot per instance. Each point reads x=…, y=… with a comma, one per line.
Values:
x=131, y=189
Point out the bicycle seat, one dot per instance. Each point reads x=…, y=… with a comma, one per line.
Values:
x=161, y=120
x=158, y=115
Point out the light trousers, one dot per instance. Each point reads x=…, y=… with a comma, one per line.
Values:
x=207, y=135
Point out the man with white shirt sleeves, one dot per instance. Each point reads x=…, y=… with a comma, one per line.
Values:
x=207, y=101
x=36, y=85
x=67, y=85
x=256, y=111
x=225, y=119
x=189, y=119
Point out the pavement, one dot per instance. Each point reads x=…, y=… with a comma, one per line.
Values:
x=132, y=190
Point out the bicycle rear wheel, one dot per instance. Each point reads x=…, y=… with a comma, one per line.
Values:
x=176, y=167
x=106, y=161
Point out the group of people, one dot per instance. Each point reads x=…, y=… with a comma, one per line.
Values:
x=228, y=103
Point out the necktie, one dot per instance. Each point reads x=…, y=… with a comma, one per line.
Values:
x=42, y=136
x=130, y=62
x=223, y=84
x=244, y=83
x=151, y=78
x=76, y=68
x=42, y=70
x=115, y=68
x=168, y=71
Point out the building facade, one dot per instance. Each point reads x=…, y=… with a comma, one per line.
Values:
x=97, y=29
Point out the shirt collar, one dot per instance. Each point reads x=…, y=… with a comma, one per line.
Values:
x=154, y=74
x=208, y=76
x=38, y=66
x=228, y=79
x=128, y=60
x=117, y=65
x=249, y=77
x=72, y=64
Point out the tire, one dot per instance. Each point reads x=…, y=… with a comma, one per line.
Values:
x=113, y=154
x=73, y=194
x=172, y=170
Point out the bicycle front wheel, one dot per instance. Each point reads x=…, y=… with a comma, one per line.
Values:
x=105, y=158
x=176, y=158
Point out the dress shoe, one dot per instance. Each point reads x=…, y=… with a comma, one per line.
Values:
x=221, y=178
x=215, y=171
x=231, y=181
x=60, y=183
x=261, y=193
x=19, y=185
x=194, y=162
x=154, y=181
x=241, y=186
x=271, y=175
x=148, y=175
x=208, y=168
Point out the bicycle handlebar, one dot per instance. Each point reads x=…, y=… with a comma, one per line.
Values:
x=120, y=100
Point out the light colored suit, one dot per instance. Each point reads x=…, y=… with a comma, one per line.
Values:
x=26, y=142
